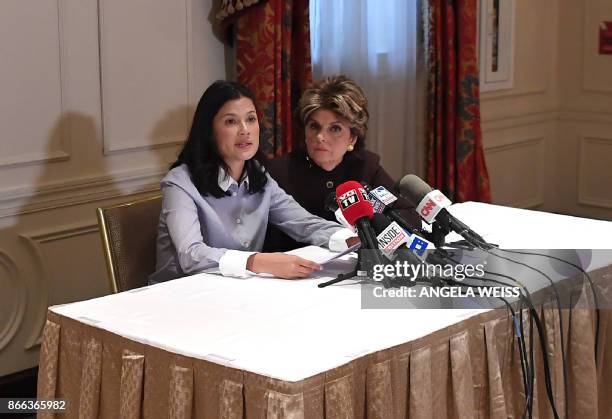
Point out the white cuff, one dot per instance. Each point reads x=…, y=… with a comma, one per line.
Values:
x=233, y=263
x=337, y=241
x=342, y=220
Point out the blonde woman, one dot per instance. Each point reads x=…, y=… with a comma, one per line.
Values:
x=334, y=116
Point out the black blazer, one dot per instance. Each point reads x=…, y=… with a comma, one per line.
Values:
x=310, y=186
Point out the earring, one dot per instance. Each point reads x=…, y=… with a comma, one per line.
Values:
x=350, y=147
x=309, y=162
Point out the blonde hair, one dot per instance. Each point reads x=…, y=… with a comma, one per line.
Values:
x=342, y=96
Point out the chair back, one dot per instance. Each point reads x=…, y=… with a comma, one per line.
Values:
x=129, y=236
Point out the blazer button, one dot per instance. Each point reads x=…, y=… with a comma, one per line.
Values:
x=329, y=184
x=238, y=221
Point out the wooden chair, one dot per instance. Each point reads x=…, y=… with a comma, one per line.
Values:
x=129, y=235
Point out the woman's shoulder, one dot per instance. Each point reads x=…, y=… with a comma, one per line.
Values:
x=283, y=166
x=367, y=165
x=369, y=157
x=285, y=160
x=178, y=176
x=364, y=161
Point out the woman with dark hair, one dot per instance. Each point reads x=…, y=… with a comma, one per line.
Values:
x=334, y=115
x=217, y=199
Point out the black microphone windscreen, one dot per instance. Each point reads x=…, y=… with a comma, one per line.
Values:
x=413, y=188
x=379, y=222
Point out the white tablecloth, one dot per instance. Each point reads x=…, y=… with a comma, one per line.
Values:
x=292, y=330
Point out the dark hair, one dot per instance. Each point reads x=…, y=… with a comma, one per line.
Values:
x=200, y=152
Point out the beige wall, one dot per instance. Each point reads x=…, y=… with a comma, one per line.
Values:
x=548, y=140
x=95, y=98
x=519, y=124
x=585, y=120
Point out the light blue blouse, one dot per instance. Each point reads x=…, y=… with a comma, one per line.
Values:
x=200, y=232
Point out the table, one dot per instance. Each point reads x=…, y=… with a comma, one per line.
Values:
x=208, y=346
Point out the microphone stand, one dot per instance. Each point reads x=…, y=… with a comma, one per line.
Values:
x=470, y=240
x=437, y=235
x=346, y=275
x=365, y=263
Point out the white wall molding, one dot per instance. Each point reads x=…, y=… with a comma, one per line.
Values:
x=510, y=94
x=606, y=91
x=512, y=144
x=518, y=120
x=173, y=65
x=35, y=239
x=589, y=173
x=34, y=158
x=68, y=231
x=42, y=293
x=59, y=144
x=171, y=142
x=15, y=289
x=556, y=115
x=505, y=146
x=77, y=191
x=189, y=56
x=576, y=115
x=64, y=129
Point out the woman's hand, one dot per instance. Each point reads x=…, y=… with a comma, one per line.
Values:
x=281, y=265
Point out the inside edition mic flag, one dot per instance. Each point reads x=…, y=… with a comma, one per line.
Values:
x=391, y=237
x=395, y=243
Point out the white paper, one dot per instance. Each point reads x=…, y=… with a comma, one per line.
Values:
x=319, y=254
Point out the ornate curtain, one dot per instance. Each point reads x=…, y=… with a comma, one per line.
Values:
x=455, y=156
x=272, y=40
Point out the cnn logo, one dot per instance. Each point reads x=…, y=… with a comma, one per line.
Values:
x=428, y=207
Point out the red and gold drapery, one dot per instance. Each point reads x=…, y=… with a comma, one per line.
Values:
x=272, y=40
x=455, y=156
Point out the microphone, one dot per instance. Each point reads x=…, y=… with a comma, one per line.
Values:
x=431, y=206
x=403, y=248
x=357, y=210
x=330, y=203
x=377, y=203
x=383, y=199
x=395, y=243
